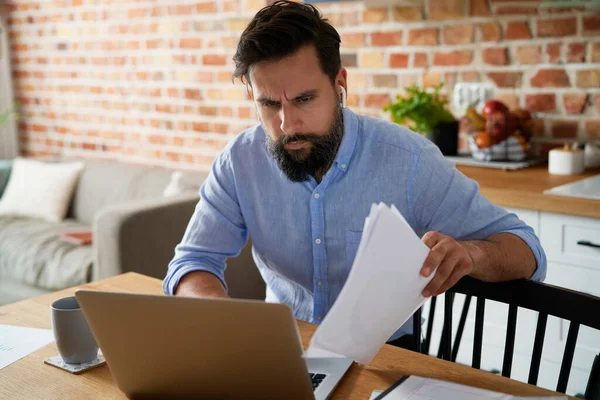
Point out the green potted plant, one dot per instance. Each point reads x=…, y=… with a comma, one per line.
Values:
x=5, y=116
x=426, y=112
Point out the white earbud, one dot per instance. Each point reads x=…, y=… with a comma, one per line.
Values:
x=343, y=91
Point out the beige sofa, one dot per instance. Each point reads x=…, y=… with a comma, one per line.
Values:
x=135, y=229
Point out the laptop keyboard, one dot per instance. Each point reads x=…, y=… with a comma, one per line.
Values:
x=316, y=380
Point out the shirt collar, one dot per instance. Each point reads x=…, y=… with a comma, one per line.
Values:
x=344, y=154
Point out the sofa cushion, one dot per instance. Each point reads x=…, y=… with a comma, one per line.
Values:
x=103, y=183
x=40, y=190
x=5, y=168
x=31, y=253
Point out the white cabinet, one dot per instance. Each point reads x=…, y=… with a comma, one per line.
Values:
x=571, y=266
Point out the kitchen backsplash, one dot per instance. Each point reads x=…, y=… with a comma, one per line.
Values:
x=150, y=81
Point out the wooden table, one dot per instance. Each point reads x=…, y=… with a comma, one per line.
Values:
x=525, y=189
x=29, y=378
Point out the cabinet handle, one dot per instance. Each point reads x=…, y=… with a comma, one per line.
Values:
x=588, y=243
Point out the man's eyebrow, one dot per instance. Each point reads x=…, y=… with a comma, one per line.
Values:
x=306, y=93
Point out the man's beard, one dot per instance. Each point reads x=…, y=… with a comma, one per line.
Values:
x=298, y=165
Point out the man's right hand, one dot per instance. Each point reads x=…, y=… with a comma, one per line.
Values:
x=200, y=284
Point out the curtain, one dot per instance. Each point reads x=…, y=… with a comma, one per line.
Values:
x=9, y=144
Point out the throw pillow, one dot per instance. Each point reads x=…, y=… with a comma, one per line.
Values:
x=40, y=189
x=5, y=168
x=180, y=184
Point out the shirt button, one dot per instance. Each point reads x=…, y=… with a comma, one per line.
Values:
x=319, y=283
x=343, y=166
x=319, y=318
x=317, y=195
x=318, y=241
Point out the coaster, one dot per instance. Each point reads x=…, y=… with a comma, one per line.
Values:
x=76, y=369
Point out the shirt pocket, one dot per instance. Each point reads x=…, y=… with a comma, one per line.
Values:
x=352, y=242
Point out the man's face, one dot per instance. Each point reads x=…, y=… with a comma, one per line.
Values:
x=300, y=112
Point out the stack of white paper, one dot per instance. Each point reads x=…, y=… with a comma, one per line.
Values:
x=382, y=292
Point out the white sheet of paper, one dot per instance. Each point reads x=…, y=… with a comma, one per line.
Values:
x=16, y=342
x=382, y=291
x=417, y=388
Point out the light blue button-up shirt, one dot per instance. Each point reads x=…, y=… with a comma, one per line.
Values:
x=305, y=235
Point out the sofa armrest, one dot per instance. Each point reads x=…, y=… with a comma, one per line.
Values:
x=140, y=236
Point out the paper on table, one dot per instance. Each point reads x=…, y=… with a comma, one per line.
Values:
x=417, y=388
x=382, y=291
x=16, y=342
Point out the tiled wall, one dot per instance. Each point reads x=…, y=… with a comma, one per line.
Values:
x=150, y=81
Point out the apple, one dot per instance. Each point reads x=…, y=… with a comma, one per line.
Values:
x=492, y=106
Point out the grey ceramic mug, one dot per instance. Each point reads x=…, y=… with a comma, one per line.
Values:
x=74, y=339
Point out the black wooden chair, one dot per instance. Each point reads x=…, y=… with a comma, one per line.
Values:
x=578, y=308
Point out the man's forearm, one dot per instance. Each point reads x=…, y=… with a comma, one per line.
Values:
x=500, y=257
x=200, y=284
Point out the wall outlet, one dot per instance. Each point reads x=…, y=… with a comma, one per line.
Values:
x=466, y=94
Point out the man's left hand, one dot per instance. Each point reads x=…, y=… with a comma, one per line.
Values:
x=453, y=259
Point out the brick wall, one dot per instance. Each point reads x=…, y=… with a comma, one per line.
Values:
x=150, y=81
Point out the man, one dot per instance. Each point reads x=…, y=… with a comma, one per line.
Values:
x=302, y=182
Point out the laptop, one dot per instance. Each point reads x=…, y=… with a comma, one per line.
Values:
x=175, y=347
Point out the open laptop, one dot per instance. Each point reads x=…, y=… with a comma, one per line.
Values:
x=174, y=347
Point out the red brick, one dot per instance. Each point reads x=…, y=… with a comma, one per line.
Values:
x=538, y=127
x=490, y=32
x=528, y=55
x=551, y=78
x=516, y=10
x=553, y=51
x=420, y=60
x=597, y=102
x=589, y=78
x=207, y=7
x=214, y=59
x=595, y=52
x=447, y=9
x=480, y=8
x=469, y=76
x=591, y=25
x=385, y=80
x=457, y=57
x=353, y=40
x=574, y=102
x=399, y=60
x=592, y=129
x=193, y=94
x=564, y=129
x=404, y=14
x=423, y=37
x=576, y=52
x=431, y=79
x=386, y=38
x=136, y=13
x=349, y=60
x=458, y=34
x=495, y=56
x=517, y=30
x=377, y=100
x=540, y=102
x=557, y=27
x=506, y=79
x=375, y=15
x=190, y=43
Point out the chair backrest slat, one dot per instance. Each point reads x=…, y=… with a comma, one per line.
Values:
x=478, y=342
x=461, y=327
x=509, y=347
x=565, y=368
x=429, y=325
x=447, y=332
x=538, y=345
x=592, y=391
x=417, y=329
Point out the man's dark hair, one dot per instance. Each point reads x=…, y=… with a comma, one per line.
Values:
x=279, y=30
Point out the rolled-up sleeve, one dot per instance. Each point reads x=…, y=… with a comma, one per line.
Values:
x=215, y=232
x=443, y=199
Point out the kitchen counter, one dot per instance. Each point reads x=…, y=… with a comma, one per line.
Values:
x=525, y=189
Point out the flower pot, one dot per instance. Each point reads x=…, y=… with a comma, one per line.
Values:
x=445, y=136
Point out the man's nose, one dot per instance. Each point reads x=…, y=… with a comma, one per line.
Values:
x=290, y=123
